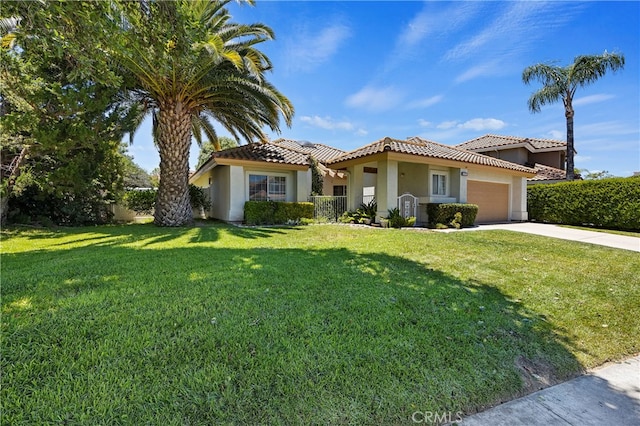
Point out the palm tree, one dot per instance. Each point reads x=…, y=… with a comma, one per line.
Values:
x=562, y=82
x=189, y=67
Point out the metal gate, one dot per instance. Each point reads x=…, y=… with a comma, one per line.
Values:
x=328, y=207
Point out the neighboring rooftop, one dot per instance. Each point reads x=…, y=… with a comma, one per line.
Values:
x=322, y=153
x=425, y=148
x=493, y=142
x=268, y=152
x=546, y=173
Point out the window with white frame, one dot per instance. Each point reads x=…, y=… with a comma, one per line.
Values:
x=439, y=183
x=267, y=188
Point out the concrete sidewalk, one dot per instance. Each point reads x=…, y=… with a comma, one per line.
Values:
x=605, y=396
x=601, y=238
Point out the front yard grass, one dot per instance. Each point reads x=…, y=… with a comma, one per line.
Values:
x=314, y=325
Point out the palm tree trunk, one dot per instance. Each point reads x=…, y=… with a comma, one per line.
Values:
x=570, y=165
x=173, y=207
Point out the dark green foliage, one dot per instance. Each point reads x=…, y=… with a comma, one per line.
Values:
x=144, y=201
x=317, y=182
x=276, y=213
x=608, y=203
x=198, y=198
x=366, y=213
x=397, y=221
x=207, y=148
x=446, y=214
x=33, y=205
x=140, y=201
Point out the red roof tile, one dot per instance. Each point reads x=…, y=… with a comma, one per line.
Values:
x=425, y=148
x=544, y=172
x=322, y=153
x=497, y=141
x=267, y=152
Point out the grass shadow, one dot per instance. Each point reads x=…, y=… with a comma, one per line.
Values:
x=200, y=334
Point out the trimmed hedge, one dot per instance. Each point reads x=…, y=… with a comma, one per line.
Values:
x=140, y=201
x=276, y=212
x=607, y=203
x=445, y=213
x=145, y=201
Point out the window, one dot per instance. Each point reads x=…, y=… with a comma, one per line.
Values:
x=339, y=190
x=438, y=184
x=267, y=188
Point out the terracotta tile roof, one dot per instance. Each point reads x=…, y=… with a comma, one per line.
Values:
x=492, y=142
x=267, y=152
x=425, y=148
x=322, y=153
x=544, y=172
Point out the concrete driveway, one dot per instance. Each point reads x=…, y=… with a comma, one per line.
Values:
x=601, y=238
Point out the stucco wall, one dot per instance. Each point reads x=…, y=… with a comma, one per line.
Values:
x=553, y=159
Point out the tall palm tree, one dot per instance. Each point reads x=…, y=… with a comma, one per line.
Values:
x=190, y=66
x=562, y=83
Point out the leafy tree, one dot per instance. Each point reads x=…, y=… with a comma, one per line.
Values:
x=588, y=175
x=61, y=99
x=191, y=65
x=207, y=148
x=134, y=176
x=562, y=82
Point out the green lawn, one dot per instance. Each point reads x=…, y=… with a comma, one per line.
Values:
x=608, y=231
x=313, y=325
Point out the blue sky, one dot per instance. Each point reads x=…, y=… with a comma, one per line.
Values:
x=357, y=71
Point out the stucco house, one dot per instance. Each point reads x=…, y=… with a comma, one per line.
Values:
x=546, y=156
x=434, y=173
x=252, y=172
x=408, y=173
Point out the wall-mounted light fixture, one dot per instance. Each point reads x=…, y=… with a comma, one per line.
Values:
x=464, y=173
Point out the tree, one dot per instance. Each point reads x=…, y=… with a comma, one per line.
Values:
x=207, y=148
x=60, y=98
x=134, y=176
x=191, y=65
x=562, y=82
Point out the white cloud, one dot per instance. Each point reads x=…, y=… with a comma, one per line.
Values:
x=489, y=68
x=424, y=123
x=427, y=22
x=556, y=134
x=426, y=102
x=483, y=124
x=592, y=99
x=477, y=124
x=361, y=132
x=512, y=31
x=376, y=99
x=309, y=51
x=447, y=125
x=327, y=123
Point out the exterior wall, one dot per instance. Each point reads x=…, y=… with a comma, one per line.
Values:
x=414, y=179
x=519, y=199
x=386, y=187
x=219, y=191
x=328, y=183
x=553, y=159
x=515, y=155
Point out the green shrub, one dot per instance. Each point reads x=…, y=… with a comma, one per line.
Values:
x=397, y=221
x=198, y=198
x=607, y=203
x=141, y=202
x=446, y=214
x=276, y=213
